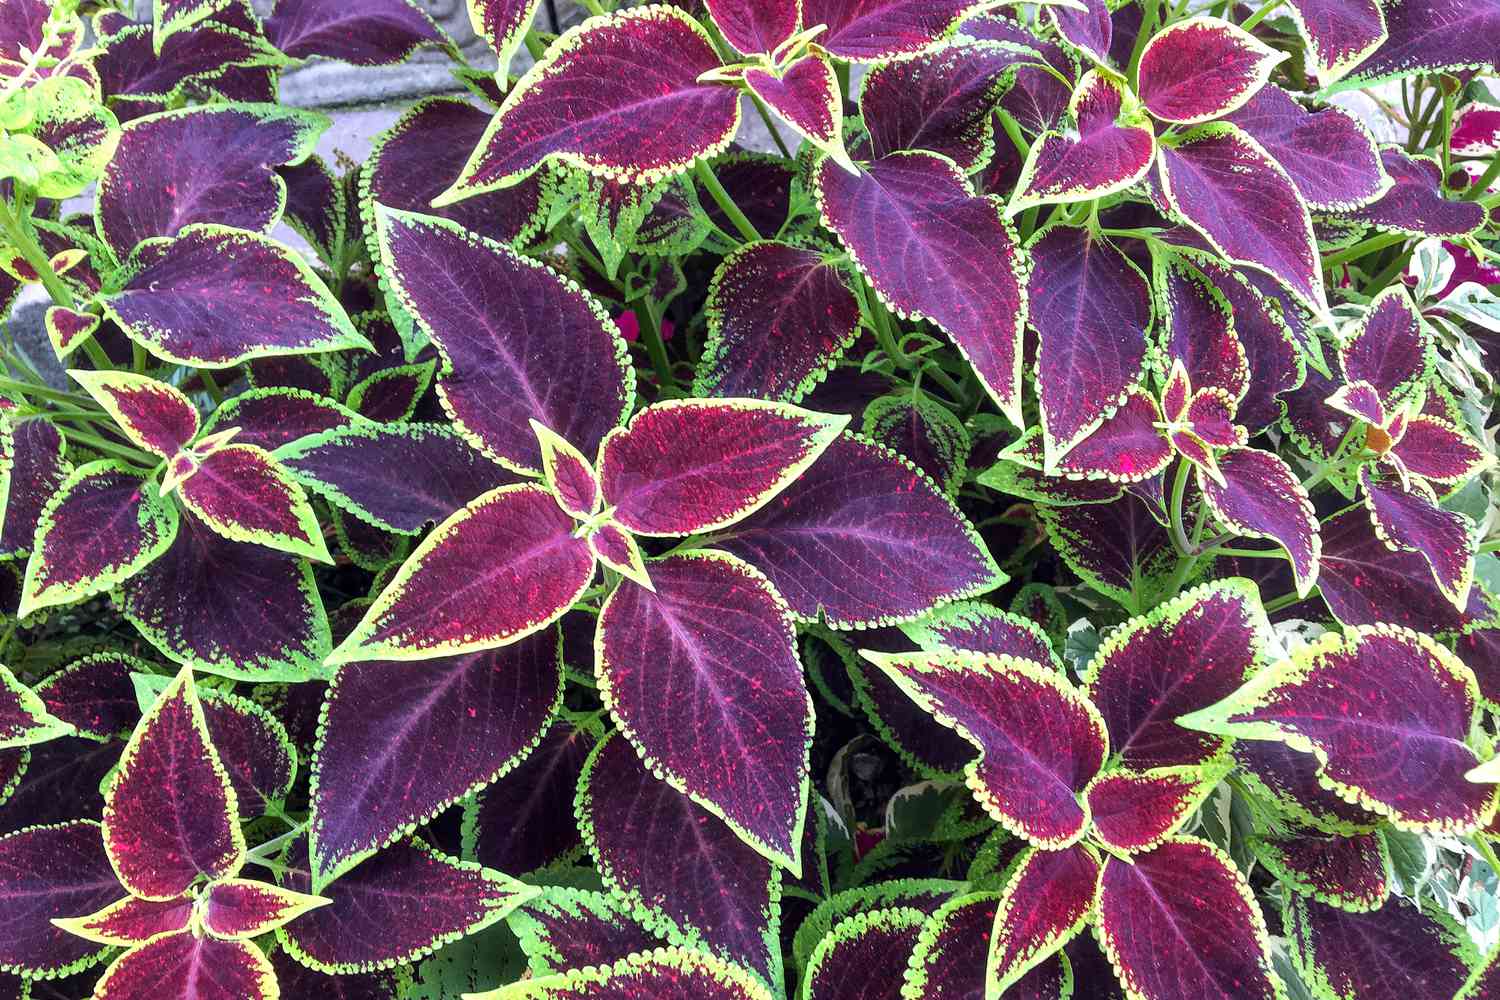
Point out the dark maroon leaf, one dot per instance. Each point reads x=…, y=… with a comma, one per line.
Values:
x=1339, y=33
x=59, y=781
x=949, y=960
x=864, y=956
x=1388, y=351
x=876, y=30
x=94, y=695
x=1364, y=582
x=1409, y=519
x=254, y=748
x=1202, y=68
x=1044, y=904
x=37, y=470
x=1260, y=497
x=130, y=67
x=1347, y=872
x=48, y=872
x=275, y=416
x=1127, y=447
x=1089, y=30
x=1396, y=953
x=564, y=929
x=1429, y=36
x=297, y=982
x=1289, y=778
x=756, y=27
x=1118, y=548
x=926, y=432
x=317, y=207
x=806, y=96
x=369, y=33
x=1415, y=203
x=1328, y=153
x=524, y=821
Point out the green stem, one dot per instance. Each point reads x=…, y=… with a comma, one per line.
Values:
x=656, y=348
x=1179, y=491
x=1148, y=28
x=765, y=116
x=1363, y=249
x=885, y=334
x=133, y=455
x=31, y=251
x=1245, y=553
x=43, y=392
x=1395, y=267
x=139, y=359
x=710, y=181
x=214, y=392
x=592, y=6
x=942, y=378
x=1260, y=15
x=1285, y=601
x=534, y=45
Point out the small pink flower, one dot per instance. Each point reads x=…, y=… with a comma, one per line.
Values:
x=629, y=325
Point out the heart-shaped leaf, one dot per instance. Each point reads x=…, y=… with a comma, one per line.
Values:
x=562, y=929
x=830, y=542
x=932, y=250
x=398, y=742
x=633, y=128
x=153, y=415
x=505, y=565
x=244, y=494
x=1385, y=711
x=1415, y=203
x=242, y=909
x=131, y=921
x=1339, y=33
x=1347, y=872
x=95, y=695
x=185, y=964
x=778, y=319
x=1202, y=68
x=67, y=329
x=372, y=33
x=216, y=296
x=1186, y=891
x=505, y=325
x=1260, y=497
x=1044, y=905
x=1329, y=154
x=1040, y=741
x=689, y=466
x=49, y=872
x=663, y=974
x=806, y=96
x=678, y=866
x=1397, y=951
x=1409, y=519
x=698, y=670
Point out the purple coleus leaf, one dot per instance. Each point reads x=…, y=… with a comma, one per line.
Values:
x=651, y=124
x=1188, y=892
x=138, y=74
x=1202, y=68
x=864, y=956
x=1408, y=518
x=275, y=416
x=504, y=24
x=185, y=964
x=1045, y=903
x=254, y=748
x=372, y=33
x=933, y=250
x=1091, y=308
x=929, y=748
x=169, y=815
x=1136, y=811
x=296, y=980
x=1128, y=446
x=1261, y=497
x=1118, y=548
x=216, y=296
x=1347, y=872
x=1385, y=711
x=95, y=695
x=399, y=742
x=877, y=30
x=862, y=538
x=982, y=628
x=67, y=329
x=242, y=909
x=24, y=718
x=317, y=207
x=168, y=17
x=1185, y=655
x=1089, y=30
x=1429, y=36
x=47, y=873
x=393, y=477
x=568, y=474
x=1363, y=582
x=1040, y=740
x=105, y=523
x=663, y=974
x=1289, y=779
x=676, y=864
x=806, y=96
x=1329, y=154
x=390, y=395
x=779, y=317
x=949, y=959
x=1437, y=451
x=244, y=494
x=1225, y=185
x=687, y=466
x=713, y=643
x=563, y=929
x=229, y=608
x=505, y=565
x=36, y=471
x=1400, y=950
x=131, y=921
x=1339, y=33
x=505, y=325
x=153, y=415
x=1199, y=333
x=524, y=821
x=1389, y=351
x=1111, y=147
x=925, y=431
x=405, y=902
x=1415, y=203
x=756, y=26
x=205, y=164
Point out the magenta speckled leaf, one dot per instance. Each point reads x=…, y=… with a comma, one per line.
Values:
x=131, y=921
x=524, y=821
x=806, y=96
x=1363, y=582
x=1244, y=203
x=1118, y=548
x=1386, y=713
x=1091, y=308
x=396, y=478
x=931, y=249
x=413, y=161
x=94, y=695
x=169, y=815
x=67, y=329
x=403, y=903
x=153, y=415
x=276, y=416
x=676, y=863
x=877, y=30
x=1289, y=778
x=1043, y=906
x=1428, y=36
x=1415, y=203
x=1040, y=740
x=1476, y=130
x=862, y=538
x=863, y=957
x=37, y=470
x=1347, y=872
x=506, y=325
x=942, y=101
x=1339, y=33
x=700, y=669
x=1438, y=451
x=504, y=24
x=229, y=608
x=1110, y=148
x=206, y=164
x=949, y=960
x=1200, y=329
x=1329, y=155
x=1389, y=351
x=568, y=474
x=1409, y=519
x=399, y=742
x=186, y=965
x=103, y=525
x=244, y=494
x=982, y=628
x=1181, y=924
x=1126, y=447
x=505, y=565
x=1185, y=655
x=1261, y=497
x=1202, y=68
x=663, y=974
x=756, y=26
x=1135, y=811
x=564, y=928
x=1396, y=953
x=574, y=105
x=254, y=748
x=778, y=318
x=689, y=466
x=48, y=872
x=241, y=908
x=216, y=296
x=1089, y=31
x=369, y=33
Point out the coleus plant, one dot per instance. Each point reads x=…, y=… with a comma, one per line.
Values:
x=1031, y=538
